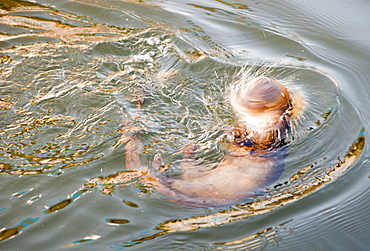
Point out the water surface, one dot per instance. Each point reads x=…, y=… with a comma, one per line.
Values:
x=72, y=73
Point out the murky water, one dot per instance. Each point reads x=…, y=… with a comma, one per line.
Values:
x=73, y=72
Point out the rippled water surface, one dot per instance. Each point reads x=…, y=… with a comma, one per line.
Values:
x=72, y=74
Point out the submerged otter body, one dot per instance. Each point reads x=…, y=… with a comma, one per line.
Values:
x=233, y=181
x=255, y=153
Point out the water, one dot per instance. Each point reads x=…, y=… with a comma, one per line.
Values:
x=72, y=73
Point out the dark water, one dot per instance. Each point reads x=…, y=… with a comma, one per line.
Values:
x=73, y=71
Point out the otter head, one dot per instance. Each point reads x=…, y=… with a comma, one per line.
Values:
x=261, y=102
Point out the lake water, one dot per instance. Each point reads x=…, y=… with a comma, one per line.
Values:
x=72, y=73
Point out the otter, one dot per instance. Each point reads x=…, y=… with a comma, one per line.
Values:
x=254, y=158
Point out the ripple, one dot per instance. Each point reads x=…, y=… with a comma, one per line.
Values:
x=117, y=221
x=7, y=233
x=73, y=74
x=285, y=195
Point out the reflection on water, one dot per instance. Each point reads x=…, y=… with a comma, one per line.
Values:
x=258, y=240
x=301, y=184
x=11, y=232
x=72, y=73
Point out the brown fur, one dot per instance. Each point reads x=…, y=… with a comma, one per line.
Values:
x=255, y=155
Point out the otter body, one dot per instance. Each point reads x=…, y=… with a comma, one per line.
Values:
x=233, y=181
x=255, y=154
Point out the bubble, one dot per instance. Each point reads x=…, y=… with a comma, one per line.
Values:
x=153, y=40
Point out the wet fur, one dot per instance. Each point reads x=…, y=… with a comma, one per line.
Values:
x=255, y=157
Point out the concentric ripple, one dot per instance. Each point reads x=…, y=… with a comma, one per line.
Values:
x=73, y=74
